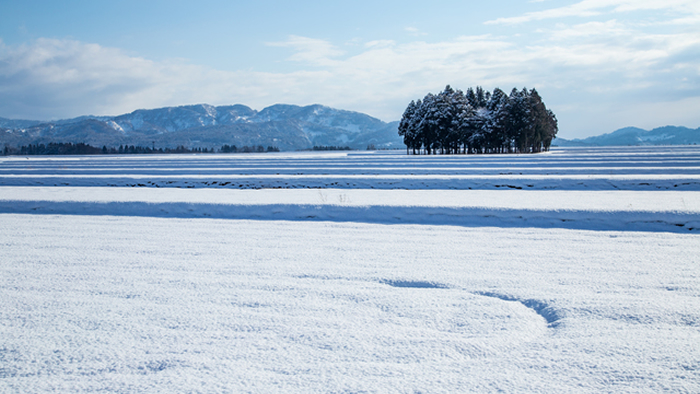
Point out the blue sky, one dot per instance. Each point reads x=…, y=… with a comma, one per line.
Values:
x=598, y=64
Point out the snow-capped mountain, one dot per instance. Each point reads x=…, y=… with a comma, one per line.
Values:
x=288, y=127
x=667, y=135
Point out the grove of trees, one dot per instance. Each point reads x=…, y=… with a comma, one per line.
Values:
x=478, y=121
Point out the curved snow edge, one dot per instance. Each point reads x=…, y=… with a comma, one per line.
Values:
x=548, y=313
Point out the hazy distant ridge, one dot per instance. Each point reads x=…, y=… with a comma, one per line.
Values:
x=667, y=135
x=288, y=127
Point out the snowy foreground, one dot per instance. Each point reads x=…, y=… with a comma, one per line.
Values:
x=390, y=275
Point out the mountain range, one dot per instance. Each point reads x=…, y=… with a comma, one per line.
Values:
x=667, y=135
x=287, y=127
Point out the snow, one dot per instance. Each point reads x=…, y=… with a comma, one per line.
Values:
x=602, y=210
x=655, y=138
x=210, y=111
x=115, y=126
x=411, y=289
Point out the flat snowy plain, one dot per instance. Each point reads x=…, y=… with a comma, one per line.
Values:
x=577, y=270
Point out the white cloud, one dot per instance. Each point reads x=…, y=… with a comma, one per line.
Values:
x=607, y=30
x=588, y=8
x=414, y=31
x=580, y=69
x=380, y=44
x=310, y=50
x=52, y=79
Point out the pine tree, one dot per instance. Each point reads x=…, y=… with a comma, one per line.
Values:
x=428, y=123
x=406, y=125
x=497, y=120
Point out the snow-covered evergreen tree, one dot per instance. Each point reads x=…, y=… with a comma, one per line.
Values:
x=406, y=127
x=496, y=121
x=429, y=122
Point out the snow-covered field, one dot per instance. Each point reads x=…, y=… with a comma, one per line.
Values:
x=572, y=271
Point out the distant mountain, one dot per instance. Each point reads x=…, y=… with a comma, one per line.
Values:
x=17, y=123
x=288, y=127
x=667, y=135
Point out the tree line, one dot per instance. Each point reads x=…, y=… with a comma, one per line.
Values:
x=478, y=121
x=329, y=148
x=53, y=148
x=67, y=148
x=247, y=149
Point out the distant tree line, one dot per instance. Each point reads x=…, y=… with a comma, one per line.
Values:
x=68, y=148
x=53, y=149
x=247, y=149
x=141, y=150
x=324, y=147
x=478, y=121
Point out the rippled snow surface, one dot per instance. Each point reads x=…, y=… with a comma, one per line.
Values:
x=390, y=275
